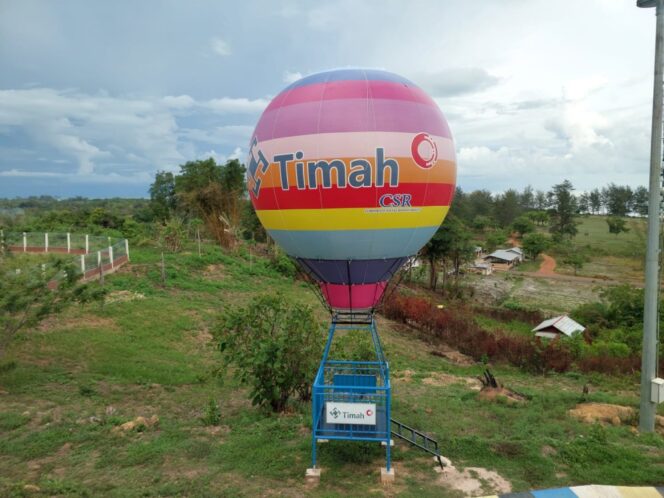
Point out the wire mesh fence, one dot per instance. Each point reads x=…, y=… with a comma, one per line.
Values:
x=93, y=255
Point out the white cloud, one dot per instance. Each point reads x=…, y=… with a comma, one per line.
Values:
x=106, y=135
x=220, y=46
x=179, y=102
x=237, y=105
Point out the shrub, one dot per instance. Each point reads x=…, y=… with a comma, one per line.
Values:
x=275, y=345
x=212, y=413
x=283, y=265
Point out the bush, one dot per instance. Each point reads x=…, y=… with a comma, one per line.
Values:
x=212, y=413
x=283, y=265
x=276, y=347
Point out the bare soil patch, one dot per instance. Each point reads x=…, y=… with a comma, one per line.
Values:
x=603, y=413
x=472, y=481
x=454, y=357
x=89, y=321
x=495, y=393
x=547, y=267
x=443, y=379
x=122, y=296
x=215, y=271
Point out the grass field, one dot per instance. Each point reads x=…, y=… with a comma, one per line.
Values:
x=67, y=386
x=618, y=257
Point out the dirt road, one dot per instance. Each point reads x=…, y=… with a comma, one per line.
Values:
x=547, y=266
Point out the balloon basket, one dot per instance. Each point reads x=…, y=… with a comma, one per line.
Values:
x=351, y=399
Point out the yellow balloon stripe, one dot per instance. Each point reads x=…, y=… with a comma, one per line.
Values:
x=352, y=218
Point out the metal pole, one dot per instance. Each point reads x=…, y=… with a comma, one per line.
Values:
x=650, y=311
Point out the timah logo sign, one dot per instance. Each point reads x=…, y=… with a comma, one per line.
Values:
x=350, y=413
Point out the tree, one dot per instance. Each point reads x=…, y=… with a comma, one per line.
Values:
x=619, y=199
x=30, y=293
x=523, y=225
x=480, y=202
x=450, y=246
x=541, y=201
x=527, y=198
x=534, y=244
x=274, y=345
x=162, y=195
x=575, y=260
x=481, y=222
x=584, y=203
x=507, y=207
x=495, y=239
x=538, y=217
x=214, y=193
x=640, y=201
x=616, y=225
x=595, y=201
x=562, y=213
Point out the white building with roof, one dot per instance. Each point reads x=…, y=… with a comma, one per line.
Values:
x=557, y=327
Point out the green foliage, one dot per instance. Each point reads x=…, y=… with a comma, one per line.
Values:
x=163, y=201
x=564, y=207
x=535, y=243
x=30, y=293
x=173, y=234
x=495, y=239
x=281, y=263
x=212, y=413
x=523, y=225
x=214, y=193
x=575, y=260
x=616, y=225
x=355, y=345
x=275, y=346
x=451, y=245
x=507, y=207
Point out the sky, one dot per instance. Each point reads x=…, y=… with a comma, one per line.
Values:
x=96, y=97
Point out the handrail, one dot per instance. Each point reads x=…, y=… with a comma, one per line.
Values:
x=428, y=444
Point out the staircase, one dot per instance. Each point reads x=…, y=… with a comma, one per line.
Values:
x=416, y=438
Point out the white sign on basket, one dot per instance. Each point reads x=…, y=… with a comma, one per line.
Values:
x=350, y=413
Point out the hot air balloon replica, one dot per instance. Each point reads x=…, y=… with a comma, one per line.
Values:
x=351, y=172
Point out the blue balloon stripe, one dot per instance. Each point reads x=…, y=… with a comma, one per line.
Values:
x=350, y=75
x=353, y=244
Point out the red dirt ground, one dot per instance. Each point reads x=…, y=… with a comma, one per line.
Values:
x=547, y=266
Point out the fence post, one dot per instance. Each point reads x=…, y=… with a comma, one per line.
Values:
x=87, y=243
x=83, y=264
x=101, y=268
x=68, y=242
x=110, y=255
x=127, y=249
x=45, y=241
x=25, y=242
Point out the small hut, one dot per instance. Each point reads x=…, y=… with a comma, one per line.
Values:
x=557, y=327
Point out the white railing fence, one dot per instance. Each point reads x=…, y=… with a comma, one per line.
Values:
x=94, y=255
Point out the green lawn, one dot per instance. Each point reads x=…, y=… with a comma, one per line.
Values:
x=67, y=386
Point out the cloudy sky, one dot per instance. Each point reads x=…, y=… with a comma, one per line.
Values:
x=95, y=97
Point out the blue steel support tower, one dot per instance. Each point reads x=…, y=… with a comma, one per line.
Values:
x=352, y=399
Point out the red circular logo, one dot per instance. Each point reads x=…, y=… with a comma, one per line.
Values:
x=424, y=150
x=369, y=413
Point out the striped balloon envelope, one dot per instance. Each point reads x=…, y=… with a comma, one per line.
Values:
x=351, y=172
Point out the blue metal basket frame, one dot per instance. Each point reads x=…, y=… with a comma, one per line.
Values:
x=353, y=382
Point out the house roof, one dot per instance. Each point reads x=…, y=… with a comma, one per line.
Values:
x=503, y=254
x=515, y=249
x=562, y=323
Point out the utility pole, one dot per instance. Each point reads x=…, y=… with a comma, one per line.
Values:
x=651, y=306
